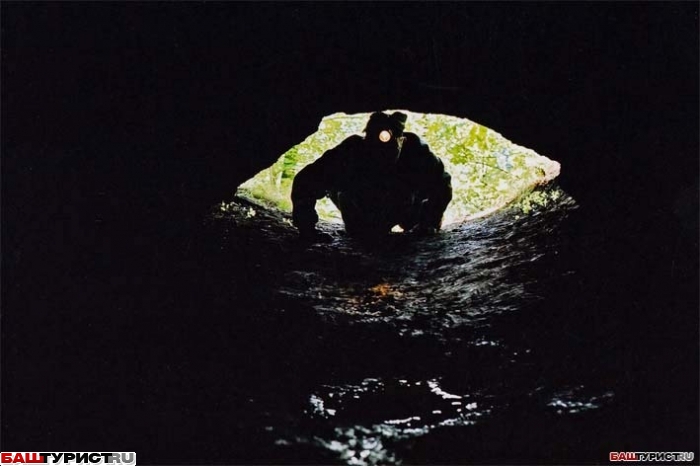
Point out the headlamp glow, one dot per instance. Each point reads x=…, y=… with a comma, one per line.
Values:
x=385, y=135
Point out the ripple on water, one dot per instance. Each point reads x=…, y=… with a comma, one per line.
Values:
x=438, y=290
x=371, y=422
x=363, y=423
x=462, y=277
x=577, y=400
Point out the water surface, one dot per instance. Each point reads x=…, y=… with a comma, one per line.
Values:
x=479, y=344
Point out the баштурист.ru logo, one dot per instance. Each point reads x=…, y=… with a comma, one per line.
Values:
x=72, y=458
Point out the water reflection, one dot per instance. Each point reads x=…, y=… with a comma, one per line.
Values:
x=373, y=421
x=576, y=400
x=459, y=278
x=400, y=410
x=470, y=304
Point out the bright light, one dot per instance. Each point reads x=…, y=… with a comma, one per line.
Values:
x=488, y=171
x=385, y=136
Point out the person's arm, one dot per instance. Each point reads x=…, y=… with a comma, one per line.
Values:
x=439, y=191
x=436, y=185
x=309, y=186
x=312, y=183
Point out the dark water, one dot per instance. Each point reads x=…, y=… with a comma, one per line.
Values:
x=539, y=338
x=507, y=339
x=548, y=339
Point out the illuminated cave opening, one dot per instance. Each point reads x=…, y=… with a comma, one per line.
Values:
x=488, y=171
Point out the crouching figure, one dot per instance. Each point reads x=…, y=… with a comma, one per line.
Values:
x=386, y=178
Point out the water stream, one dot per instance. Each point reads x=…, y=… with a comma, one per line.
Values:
x=419, y=340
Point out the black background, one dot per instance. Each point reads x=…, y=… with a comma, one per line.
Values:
x=123, y=122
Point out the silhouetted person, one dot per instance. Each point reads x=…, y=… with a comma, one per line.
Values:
x=378, y=181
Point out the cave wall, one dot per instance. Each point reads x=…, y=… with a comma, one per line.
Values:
x=157, y=110
x=122, y=122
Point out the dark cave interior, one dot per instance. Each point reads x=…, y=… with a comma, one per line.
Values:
x=123, y=123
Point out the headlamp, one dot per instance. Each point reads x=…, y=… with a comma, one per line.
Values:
x=385, y=135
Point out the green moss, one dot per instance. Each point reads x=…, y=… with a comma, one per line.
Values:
x=488, y=171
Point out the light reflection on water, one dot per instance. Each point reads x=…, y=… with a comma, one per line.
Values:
x=366, y=423
x=371, y=422
x=395, y=418
x=450, y=293
x=576, y=400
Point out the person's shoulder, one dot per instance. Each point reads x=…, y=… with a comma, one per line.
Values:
x=346, y=145
x=416, y=144
x=351, y=141
x=413, y=139
x=341, y=154
x=420, y=155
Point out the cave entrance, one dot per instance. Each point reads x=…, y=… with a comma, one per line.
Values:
x=488, y=171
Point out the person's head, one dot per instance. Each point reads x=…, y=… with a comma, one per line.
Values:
x=386, y=131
